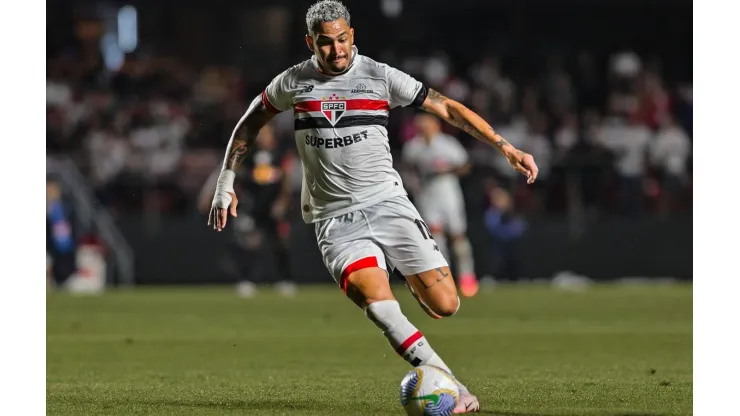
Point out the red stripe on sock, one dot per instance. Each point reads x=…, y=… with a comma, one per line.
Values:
x=409, y=341
x=362, y=263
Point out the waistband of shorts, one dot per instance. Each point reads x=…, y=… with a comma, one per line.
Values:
x=385, y=196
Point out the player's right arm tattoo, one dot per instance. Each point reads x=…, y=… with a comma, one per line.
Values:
x=465, y=119
x=245, y=132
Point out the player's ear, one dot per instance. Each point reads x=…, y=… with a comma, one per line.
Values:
x=352, y=35
x=309, y=42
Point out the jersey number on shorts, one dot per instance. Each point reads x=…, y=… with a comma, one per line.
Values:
x=424, y=229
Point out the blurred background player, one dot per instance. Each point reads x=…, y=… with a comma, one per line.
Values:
x=438, y=159
x=506, y=229
x=259, y=254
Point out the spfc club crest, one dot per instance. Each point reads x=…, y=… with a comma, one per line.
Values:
x=333, y=110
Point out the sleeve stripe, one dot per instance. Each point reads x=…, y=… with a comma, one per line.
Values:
x=268, y=104
x=420, y=97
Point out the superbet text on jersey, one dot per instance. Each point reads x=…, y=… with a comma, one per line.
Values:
x=340, y=130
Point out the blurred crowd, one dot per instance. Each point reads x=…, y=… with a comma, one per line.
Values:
x=617, y=142
x=610, y=139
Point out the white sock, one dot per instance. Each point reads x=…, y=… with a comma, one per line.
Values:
x=464, y=255
x=408, y=341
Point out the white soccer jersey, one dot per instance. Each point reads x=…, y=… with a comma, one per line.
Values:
x=443, y=152
x=340, y=130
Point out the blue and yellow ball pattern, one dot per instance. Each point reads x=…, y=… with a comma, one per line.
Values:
x=429, y=391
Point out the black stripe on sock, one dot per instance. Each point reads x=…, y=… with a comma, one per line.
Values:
x=348, y=121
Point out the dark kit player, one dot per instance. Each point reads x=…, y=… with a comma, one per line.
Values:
x=259, y=250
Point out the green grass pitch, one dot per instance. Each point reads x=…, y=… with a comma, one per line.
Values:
x=524, y=350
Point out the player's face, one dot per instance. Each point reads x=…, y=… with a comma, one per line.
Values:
x=332, y=44
x=500, y=199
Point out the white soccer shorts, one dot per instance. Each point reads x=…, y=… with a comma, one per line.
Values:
x=390, y=235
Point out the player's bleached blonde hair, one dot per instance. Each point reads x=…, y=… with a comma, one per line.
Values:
x=325, y=11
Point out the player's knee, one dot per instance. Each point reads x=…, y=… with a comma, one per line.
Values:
x=447, y=305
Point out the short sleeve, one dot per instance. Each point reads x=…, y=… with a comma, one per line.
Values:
x=403, y=89
x=278, y=96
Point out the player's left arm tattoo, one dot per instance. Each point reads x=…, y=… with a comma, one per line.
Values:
x=465, y=119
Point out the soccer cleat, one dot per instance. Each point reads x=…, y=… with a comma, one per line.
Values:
x=469, y=285
x=467, y=404
x=423, y=305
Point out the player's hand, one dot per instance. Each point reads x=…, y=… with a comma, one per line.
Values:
x=524, y=163
x=222, y=202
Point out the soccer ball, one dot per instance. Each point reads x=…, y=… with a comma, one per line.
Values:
x=428, y=390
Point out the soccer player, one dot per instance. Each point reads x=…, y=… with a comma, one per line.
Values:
x=365, y=224
x=438, y=159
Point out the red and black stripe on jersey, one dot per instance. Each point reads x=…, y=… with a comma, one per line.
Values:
x=352, y=120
